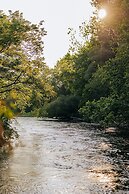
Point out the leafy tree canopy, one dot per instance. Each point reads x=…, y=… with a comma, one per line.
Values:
x=22, y=67
x=100, y=65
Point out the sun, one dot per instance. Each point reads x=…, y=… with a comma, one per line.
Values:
x=102, y=13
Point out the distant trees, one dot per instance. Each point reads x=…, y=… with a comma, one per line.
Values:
x=63, y=75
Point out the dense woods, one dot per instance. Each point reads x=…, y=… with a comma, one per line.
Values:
x=91, y=81
x=96, y=71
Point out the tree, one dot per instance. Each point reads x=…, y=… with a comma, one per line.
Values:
x=112, y=108
x=63, y=75
x=22, y=67
x=21, y=50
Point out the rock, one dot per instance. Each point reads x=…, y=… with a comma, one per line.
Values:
x=2, y=140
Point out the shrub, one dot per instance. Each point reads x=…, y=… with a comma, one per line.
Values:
x=63, y=107
x=108, y=111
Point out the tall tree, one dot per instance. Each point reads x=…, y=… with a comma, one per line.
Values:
x=22, y=67
x=111, y=32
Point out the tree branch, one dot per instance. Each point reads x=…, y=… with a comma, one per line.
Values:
x=15, y=81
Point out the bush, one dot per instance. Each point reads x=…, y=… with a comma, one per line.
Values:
x=63, y=107
x=108, y=111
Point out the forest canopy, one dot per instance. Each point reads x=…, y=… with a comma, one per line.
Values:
x=97, y=70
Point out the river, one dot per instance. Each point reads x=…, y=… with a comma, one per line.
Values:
x=52, y=157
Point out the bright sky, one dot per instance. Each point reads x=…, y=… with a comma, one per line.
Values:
x=58, y=15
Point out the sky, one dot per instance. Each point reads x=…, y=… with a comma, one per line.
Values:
x=59, y=15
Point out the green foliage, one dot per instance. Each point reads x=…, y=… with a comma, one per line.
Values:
x=22, y=67
x=30, y=113
x=63, y=107
x=83, y=69
x=43, y=111
x=108, y=111
x=22, y=64
x=102, y=111
x=63, y=75
x=97, y=86
x=6, y=113
x=6, y=110
x=100, y=66
x=106, y=93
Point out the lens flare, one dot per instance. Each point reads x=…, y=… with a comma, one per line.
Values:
x=102, y=13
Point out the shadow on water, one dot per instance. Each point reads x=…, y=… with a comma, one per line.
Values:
x=118, y=155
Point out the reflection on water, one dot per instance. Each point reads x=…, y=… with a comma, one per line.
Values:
x=55, y=157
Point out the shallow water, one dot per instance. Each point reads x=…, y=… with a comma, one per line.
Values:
x=53, y=157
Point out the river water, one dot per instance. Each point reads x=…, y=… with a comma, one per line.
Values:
x=52, y=157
